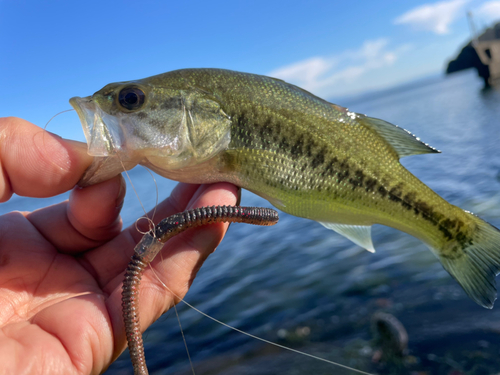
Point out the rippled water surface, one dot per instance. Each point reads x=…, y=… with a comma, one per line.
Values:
x=303, y=286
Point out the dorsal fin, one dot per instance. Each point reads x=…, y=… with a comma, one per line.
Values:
x=401, y=140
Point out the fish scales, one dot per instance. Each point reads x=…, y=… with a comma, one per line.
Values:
x=323, y=160
x=308, y=157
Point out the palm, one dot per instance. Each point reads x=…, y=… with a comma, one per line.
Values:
x=61, y=270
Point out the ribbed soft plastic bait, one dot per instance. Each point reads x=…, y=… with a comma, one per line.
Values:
x=151, y=244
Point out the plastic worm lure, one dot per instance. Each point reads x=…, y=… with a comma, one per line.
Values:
x=152, y=243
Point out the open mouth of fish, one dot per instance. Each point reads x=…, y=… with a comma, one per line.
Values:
x=105, y=141
x=102, y=131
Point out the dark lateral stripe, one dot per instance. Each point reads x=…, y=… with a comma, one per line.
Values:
x=269, y=134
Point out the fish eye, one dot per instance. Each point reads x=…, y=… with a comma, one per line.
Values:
x=131, y=98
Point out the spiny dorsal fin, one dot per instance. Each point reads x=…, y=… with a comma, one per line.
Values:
x=359, y=234
x=401, y=140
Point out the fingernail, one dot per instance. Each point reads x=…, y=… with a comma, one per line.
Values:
x=54, y=134
x=75, y=144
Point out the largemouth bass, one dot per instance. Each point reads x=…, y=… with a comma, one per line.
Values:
x=308, y=157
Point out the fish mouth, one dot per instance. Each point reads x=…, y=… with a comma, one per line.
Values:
x=105, y=141
x=102, y=131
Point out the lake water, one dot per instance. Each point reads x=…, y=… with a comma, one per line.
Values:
x=303, y=286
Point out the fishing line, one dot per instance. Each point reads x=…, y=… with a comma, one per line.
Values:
x=253, y=336
x=150, y=221
x=57, y=114
x=151, y=229
x=157, y=193
x=47, y=124
x=177, y=315
x=182, y=333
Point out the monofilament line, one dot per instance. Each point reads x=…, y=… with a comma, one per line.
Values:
x=182, y=332
x=152, y=243
x=151, y=226
x=47, y=124
x=178, y=318
x=57, y=114
x=150, y=220
x=264, y=340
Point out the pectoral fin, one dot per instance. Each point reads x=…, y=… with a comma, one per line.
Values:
x=359, y=234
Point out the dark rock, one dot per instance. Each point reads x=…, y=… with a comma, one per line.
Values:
x=468, y=57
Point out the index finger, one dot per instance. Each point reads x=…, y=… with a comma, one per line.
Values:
x=36, y=163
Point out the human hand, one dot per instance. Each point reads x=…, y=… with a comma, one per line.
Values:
x=61, y=267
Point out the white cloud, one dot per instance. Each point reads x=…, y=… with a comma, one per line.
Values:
x=435, y=17
x=308, y=70
x=489, y=11
x=324, y=77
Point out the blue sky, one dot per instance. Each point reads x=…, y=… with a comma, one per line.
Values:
x=53, y=50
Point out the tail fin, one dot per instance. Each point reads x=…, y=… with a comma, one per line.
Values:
x=477, y=265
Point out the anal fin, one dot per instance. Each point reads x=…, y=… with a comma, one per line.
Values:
x=359, y=234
